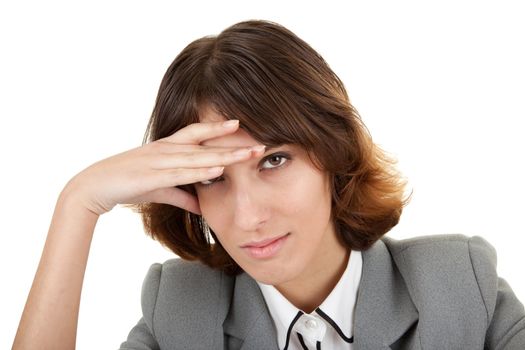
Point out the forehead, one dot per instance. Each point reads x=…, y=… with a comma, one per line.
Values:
x=239, y=138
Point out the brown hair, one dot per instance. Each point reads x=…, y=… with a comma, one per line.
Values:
x=283, y=92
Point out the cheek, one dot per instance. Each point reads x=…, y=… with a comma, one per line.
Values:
x=299, y=197
x=306, y=195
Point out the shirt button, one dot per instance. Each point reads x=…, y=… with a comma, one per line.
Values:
x=311, y=324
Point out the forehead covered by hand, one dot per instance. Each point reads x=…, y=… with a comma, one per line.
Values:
x=240, y=138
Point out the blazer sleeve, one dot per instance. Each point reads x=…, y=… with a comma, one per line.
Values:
x=141, y=336
x=505, y=313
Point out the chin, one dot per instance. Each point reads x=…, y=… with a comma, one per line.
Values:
x=272, y=277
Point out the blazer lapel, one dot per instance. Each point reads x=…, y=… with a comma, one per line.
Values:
x=384, y=309
x=249, y=319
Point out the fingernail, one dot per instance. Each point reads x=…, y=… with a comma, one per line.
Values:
x=258, y=148
x=230, y=123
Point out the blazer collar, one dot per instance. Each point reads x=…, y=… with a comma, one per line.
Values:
x=384, y=309
x=249, y=318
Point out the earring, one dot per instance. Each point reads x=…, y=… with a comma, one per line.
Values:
x=205, y=227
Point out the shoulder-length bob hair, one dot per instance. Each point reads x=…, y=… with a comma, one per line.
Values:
x=283, y=92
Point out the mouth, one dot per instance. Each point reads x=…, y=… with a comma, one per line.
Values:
x=266, y=248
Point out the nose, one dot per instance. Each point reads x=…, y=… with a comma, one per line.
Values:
x=250, y=210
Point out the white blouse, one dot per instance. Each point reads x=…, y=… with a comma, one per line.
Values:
x=328, y=327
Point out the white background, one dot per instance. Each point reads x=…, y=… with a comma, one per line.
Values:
x=439, y=84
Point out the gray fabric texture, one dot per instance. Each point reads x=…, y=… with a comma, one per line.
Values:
x=429, y=292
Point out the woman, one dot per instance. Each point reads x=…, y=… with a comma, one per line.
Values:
x=259, y=173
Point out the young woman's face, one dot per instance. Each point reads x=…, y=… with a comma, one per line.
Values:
x=279, y=195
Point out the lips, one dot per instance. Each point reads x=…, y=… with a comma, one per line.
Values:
x=262, y=243
x=265, y=249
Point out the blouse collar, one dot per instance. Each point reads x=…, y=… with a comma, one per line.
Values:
x=337, y=310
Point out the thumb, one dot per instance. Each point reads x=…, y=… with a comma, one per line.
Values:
x=176, y=197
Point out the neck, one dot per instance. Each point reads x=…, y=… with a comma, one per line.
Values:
x=309, y=291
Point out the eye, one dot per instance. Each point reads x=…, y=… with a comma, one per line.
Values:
x=271, y=159
x=208, y=182
x=276, y=161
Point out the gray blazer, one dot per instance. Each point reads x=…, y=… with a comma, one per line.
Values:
x=430, y=292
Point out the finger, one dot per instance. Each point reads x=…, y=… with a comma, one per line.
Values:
x=202, y=159
x=176, y=197
x=198, y=132
x=164, y=147
x=178, y=177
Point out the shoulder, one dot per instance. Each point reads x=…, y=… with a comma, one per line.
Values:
x=452, y=254
x=177, y=270
x=185, y=291
x=177, y=275
x=444, y=244
x=453, y=280
x=448, y=267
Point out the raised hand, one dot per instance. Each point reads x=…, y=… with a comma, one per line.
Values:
x=152, y=172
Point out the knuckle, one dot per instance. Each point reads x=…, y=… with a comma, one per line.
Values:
x=197, y=127
x=189, y=130
x=162, y=146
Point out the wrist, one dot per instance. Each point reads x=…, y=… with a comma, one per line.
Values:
x=72, y=199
